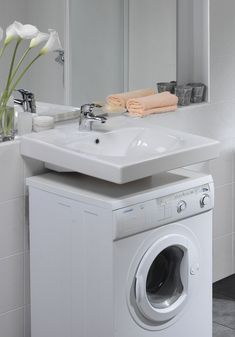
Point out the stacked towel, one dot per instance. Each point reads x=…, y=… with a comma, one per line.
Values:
x=144, y=106
x=120, y=100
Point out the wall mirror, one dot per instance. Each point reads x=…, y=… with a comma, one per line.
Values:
x=118, y=45
x=124, y=45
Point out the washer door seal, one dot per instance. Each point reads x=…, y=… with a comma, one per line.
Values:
x=164, y=277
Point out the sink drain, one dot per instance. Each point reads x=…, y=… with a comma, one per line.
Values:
x=97, y=141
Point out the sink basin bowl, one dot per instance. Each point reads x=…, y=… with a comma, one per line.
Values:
x=119, y=155
x=126, y=142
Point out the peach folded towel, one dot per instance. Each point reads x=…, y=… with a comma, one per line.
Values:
x=144, y=106
x=120, y=100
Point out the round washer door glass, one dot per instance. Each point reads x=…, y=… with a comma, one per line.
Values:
x=164, y=285
x=163, y=278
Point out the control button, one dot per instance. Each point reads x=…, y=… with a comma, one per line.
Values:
x=204, y=200
x=181, y=206
x=194, y=269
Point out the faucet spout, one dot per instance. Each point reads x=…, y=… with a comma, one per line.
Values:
x=87, y=117
x=28, y=101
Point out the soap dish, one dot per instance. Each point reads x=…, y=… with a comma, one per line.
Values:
x=42, y=123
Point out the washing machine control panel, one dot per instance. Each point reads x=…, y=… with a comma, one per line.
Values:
x=185, y=203
x=162, y=210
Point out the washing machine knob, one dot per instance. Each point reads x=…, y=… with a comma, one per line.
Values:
x=204, y=200
x=181, y=206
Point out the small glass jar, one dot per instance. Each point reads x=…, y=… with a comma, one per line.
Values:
x=166, y=86
x=7, y=120
x=198, y=92
x=183, y=92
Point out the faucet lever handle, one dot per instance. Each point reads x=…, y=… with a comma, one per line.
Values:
x=88, y=108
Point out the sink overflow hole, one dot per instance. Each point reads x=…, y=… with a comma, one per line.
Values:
x=97, y=141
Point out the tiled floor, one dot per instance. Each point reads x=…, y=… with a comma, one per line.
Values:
x=224, y=308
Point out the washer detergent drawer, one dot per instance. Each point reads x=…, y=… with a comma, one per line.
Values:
x=133, y=219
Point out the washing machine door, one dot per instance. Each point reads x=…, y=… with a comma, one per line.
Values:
x=165, y=277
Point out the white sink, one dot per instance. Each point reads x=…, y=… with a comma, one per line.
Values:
x=126, y=142
x=128, y=153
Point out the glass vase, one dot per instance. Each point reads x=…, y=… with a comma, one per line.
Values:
x=7, y=117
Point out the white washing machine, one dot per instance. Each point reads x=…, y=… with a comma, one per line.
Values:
x=121, y=261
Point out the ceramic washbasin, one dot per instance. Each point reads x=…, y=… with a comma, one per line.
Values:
x=119, y=154
x=126, y=142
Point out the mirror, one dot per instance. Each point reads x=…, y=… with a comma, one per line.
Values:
x=119, y=45
x=151, y=42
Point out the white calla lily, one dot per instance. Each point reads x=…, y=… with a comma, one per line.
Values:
x=17, y=30
x=1, y=33
x=11, y=33
x=52, y=44
x=26, y=32
x=41, y=37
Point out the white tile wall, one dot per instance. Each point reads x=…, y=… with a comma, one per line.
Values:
x=12, y=227
x=223, y=255
x=12, y=323
x=11, y=172
x=14, y=247
x=223, y=217
x=11, y=283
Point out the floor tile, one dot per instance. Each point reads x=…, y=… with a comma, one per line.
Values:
x=225, y=287
x=224, y=311
x=222, y=331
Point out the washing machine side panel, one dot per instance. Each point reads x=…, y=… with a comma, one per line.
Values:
x=196, y=320
x=71, y=267
x=49, y=266
x=92, y=272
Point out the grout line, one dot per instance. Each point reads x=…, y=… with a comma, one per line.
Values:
x=9, y=311
x=222, y=236
x=10, y=256
x=223, y=185
x=12, y=199
x=225, y=326
x=230, y=299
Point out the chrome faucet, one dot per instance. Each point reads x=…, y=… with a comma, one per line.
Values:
x=27, y=102
x=87, y=117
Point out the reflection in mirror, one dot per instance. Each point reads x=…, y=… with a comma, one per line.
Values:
x=120, y=45
x=96, y=51
x=152, y=42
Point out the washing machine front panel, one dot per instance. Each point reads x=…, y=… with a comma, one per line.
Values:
x=164, y=277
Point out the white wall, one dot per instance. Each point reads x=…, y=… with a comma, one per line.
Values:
x=13, y=308
x=14, y=243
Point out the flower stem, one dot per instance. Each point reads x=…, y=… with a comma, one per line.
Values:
x=12, y=64
x=19, y=64
x=21, y=76
x=2, y=50
x=5, y=95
